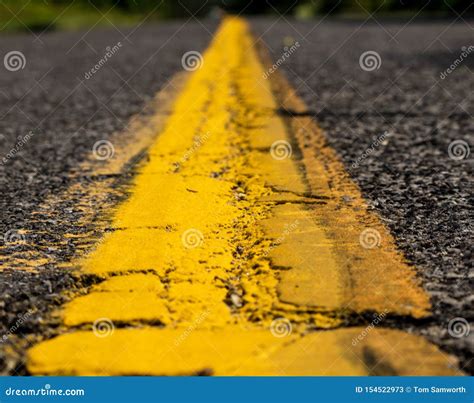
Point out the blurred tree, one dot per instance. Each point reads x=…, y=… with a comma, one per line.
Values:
x=329, y=6
x=183, y=8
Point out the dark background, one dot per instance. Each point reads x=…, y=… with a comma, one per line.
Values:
x=173, y=8
x=48, y=15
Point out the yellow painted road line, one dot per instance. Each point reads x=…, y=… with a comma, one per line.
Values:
x=225, y=259
x=94, y=187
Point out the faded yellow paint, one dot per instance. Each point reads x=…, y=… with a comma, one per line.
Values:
x=118, y=306
x=314, y=278
x=94, y=189
x=235, y=351
x=220, y=237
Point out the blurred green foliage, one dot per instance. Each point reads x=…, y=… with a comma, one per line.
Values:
x=38, y=15
x=387, y=7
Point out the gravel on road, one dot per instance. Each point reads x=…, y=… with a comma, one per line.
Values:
x=74, y=90
x=401, y=118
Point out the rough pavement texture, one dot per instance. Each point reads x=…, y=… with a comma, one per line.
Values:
x=422, y=194
x=64, y=114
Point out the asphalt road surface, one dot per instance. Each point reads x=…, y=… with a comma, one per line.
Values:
x=421, y=188
x=67, y=114
x=423, y=195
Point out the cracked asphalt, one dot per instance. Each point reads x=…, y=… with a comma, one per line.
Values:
x=65, y=115
x=422, y=194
